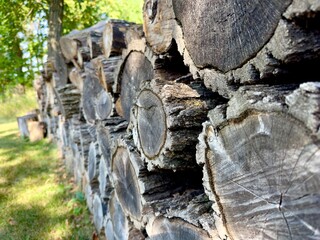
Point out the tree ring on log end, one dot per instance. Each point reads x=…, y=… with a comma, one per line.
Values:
x=225, y=34
x=174, y=228
x=135, y=70
x=152, y=126
x=263, y=170
x=126, y=183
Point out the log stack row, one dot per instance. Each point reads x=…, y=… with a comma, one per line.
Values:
x=201, y=124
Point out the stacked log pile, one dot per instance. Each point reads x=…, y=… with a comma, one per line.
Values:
x=201, y=124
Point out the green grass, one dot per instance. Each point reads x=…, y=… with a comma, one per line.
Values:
x=18, y=105
x=36, y=199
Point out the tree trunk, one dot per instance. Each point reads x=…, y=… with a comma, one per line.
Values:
x=55, y=29
x=260, y=163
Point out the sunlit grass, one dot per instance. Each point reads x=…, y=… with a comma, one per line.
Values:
x=18, y=105
x=36, y=199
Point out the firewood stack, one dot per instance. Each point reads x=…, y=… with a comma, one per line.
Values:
x=201, y=124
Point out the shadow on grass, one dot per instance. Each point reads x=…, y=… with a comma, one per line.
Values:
x=20, y=160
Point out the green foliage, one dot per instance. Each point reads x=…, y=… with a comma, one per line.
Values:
x=24, y=30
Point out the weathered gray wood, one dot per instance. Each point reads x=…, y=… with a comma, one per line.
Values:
x=135, y=187
x=261, y=164
x=83, y=55
x=69, y=98
x=114, y=37
x=118, y=225
x=93, y=163
x=167, y=119
x=135, y=69
x=104, y=105
x=23, y=124
x=105, y=184
x=75, y=39
x=192, y=206
x=99, y=212
x=94, y=41
x=219, y=29
x=158, y=24
x=108, y=132
x=91, y=89
x=171, y=229
x=107, y=70
x=77, y=77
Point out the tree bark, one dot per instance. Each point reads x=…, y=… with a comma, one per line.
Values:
x=69, y=97
x=136, y=188
x=261, y=163
x=71, y=42
x=114, y=37
x=167, y=119
x=55, y=29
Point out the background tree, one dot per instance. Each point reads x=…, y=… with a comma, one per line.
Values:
x=24, y=31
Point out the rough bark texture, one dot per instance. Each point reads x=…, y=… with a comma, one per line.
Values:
x=262, y=166
x=203, y=124
x=167, y=120
x=114, y=37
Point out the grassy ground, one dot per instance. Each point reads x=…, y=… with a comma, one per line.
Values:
x=37, y=201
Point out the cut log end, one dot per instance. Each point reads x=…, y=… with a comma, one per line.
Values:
x=151, y=120
x=230, y=26
x=171, y=229
x=264, y=167
x=126, y=182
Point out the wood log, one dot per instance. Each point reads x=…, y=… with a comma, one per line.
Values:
x=105, y=184
x=37, y=130
x=71, y=42
x=93, y=163
x=117, y=225
x=104, y=105
x=289, y=44
x=261, y=163
x=85, y=139
x=91, y=89
x=83, y=55
x=95, y=45
x=136, y=188
x=107, y=70
x=77, y=78
x=114, y=37
x=158, y=24
x=165, y=228
x=69, y=98
x=191, y=206
x=99, y=212
x=167, y=119
x=135, y=69
x=23, y=124
x=108, y=132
